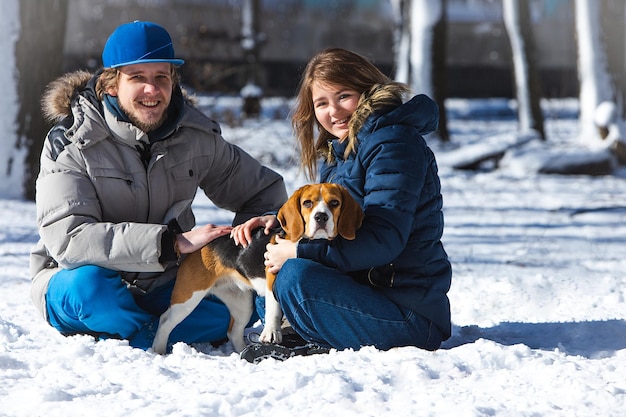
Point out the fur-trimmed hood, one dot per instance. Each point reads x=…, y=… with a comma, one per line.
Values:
x=382, y=105
x=378, y=99
x=56, y=100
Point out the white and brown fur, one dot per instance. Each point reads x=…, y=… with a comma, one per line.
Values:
x=231, y=272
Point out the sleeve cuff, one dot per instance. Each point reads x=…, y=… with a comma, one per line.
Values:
x=168, y=240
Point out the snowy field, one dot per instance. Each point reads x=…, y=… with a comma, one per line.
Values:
x=538, y=305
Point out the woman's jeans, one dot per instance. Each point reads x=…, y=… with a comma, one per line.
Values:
x=329, y=308
x=95, y=300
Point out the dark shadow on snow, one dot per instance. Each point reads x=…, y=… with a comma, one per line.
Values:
x=590, y=339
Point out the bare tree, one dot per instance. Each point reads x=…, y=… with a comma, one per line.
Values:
x=402, y=39
x=440, y=65
x=527, y=87
x=614, y=28
x=39, y=59
x=601, y=108
x=11, y=158
x=251, y=40
x=420, y=39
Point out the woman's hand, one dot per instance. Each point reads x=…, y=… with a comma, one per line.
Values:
x=278, y=253
x=242, y=234
x=195, y=239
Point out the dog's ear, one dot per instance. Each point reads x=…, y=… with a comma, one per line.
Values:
x=351, y=216
x=290, y=218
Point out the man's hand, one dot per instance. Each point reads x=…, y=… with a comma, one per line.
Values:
x=195, y=239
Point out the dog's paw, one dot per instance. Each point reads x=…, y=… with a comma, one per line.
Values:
x=271, y=335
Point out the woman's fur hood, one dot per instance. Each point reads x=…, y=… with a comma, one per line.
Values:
x=385, y=102
x=56, y=101
x=378, y=99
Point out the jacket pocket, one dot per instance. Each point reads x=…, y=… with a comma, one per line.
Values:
x=184, y=177
x=118, y=194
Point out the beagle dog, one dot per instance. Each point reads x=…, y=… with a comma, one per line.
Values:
x=232, y=272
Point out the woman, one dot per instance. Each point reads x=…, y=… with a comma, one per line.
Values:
x=388, y=287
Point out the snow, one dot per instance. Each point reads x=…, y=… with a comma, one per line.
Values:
x=538, y=307
x=605, y=113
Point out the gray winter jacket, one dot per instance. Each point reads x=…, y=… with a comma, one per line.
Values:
x=98, y=204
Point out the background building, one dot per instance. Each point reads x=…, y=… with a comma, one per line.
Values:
x=207, y=33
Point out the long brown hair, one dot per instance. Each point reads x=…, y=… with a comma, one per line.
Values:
x=334, y=66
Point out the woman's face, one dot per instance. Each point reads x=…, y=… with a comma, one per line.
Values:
x=334, y=105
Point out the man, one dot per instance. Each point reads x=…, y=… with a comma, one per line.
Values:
x=118, y=174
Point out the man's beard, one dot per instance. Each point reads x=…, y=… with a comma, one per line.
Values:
x=145, y=126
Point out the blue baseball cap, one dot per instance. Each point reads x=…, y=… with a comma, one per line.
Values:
x=138, y=43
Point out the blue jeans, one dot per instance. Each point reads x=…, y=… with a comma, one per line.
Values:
x=328, y=307
x=95, y=300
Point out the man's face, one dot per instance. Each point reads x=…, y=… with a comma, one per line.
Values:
x=144, y=92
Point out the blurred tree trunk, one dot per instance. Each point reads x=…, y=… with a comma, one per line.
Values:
x=251, y=40
x=527, y=86
x=440, y=81
x=39, y=59
x=600, y=102
x=614, y=29
x=11, y=158
x=420, y=50
x=402, y=39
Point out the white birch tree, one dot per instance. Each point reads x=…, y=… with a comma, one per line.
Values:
x=416, y=24
x=517, y=22
x=601, y=109
x=414, y=42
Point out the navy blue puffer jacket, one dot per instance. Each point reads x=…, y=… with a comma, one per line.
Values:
x=394, y=177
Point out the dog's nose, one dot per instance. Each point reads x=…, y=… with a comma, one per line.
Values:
x=321, y=218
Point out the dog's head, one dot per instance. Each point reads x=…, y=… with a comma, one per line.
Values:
x=320, y=211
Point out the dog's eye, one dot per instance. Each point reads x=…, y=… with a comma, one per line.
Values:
x=333, y=203
x=307, y=203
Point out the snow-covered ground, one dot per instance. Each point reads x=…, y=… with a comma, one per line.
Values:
x=538, y=305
